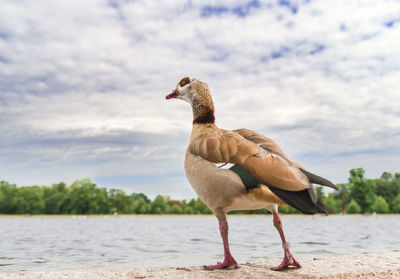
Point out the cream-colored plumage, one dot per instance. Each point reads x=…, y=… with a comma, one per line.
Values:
x=279, y=177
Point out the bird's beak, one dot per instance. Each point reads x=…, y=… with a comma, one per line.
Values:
x=172, y=95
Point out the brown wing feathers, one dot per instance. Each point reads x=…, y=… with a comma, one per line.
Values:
x=259, y=155
x=222, y=146
x=270, y=146
x=273, y=171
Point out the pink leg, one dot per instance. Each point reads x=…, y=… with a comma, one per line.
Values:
x=288, y=259
x=229, y=262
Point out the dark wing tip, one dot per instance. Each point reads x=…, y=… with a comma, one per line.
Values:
x=301, y=200
x=322, y=208
x=319, y=180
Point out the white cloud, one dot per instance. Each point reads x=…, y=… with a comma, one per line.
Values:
x=83, y=83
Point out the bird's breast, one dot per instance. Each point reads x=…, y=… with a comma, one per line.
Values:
x=222, y=188
x=217, y=187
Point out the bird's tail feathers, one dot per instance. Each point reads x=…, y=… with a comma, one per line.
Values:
x=301, y=200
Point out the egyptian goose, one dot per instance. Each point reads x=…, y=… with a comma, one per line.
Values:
x=262, y=175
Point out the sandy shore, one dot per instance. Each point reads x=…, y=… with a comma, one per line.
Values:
x=350, y=266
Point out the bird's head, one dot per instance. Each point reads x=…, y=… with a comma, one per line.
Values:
x=196, y=93
x=191, y=90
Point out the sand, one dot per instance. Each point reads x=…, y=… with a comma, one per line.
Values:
x=349, y=266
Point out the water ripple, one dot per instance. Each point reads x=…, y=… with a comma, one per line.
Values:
x=168, y=241
x=314, y=243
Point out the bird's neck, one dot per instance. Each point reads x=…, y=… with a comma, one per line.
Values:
x=203, y=112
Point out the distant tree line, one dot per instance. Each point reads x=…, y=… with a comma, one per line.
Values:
x=359, y=195
x=84, y=197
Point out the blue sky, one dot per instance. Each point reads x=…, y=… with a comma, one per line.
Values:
x=82, y=86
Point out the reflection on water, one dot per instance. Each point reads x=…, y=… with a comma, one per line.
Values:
x=63, y=243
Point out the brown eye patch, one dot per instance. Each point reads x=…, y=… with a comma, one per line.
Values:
x=184, y=81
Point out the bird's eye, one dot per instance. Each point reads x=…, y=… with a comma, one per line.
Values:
x=184, y=81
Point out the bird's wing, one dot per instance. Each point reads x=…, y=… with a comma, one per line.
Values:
x=263, y=159
x=265, y=141
x=271, y=146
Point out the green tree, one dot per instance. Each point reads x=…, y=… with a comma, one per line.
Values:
x=188, y=210
x=159, y=205
x=201, y=208
x=1, y=200
x=380, y=205
x=29, y=200
x=332, y=203
x=396, y=204
x=8, y=192
x=176, y=209
x=353, y=207
x=81, y=196
x=388, y=187
x=98, y=204
x=363, y=190
x=120, y=202
x=172, y=205
x=343, y=195
x=386, y=176
x=55, y=198
x=192, y=205
x=136, y=196
x=140, y=206
x=286, y=209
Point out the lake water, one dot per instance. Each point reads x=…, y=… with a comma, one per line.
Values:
x=126, y=242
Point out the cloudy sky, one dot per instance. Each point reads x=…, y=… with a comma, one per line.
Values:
x=83, y=85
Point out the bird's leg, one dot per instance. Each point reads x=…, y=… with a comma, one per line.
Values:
x=229, y=262
x=288, y=259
